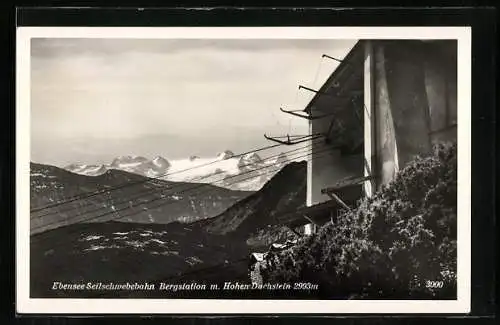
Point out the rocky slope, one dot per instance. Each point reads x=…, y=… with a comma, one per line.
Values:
x=254, y=217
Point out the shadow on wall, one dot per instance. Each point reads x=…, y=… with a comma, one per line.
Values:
x=415, y=99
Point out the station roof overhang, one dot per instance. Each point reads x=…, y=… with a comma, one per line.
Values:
x=344, y=80
x=342, y=98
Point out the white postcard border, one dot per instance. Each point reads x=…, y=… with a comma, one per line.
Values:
x=25, y=304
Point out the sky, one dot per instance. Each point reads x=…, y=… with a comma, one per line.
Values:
x=95, y=99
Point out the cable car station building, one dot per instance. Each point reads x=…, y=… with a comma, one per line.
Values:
x=386, y=102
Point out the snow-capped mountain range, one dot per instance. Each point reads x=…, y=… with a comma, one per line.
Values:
x=247, y=172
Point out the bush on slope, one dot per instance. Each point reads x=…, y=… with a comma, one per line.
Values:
x=391, y=244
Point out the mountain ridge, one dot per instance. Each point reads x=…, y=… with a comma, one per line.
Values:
x=194, y=169
x=144, y=199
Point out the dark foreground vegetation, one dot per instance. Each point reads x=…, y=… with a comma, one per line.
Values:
x=399, y=243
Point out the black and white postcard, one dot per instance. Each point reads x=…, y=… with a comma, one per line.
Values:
x=243, y=170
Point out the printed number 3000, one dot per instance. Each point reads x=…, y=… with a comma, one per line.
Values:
x=434, y=284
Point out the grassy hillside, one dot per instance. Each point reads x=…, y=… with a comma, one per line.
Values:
x=120, y=251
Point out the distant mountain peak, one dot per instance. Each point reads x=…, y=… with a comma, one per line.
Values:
x=131, y=157
x=128, y=159
x=226, y=154
x=88, y=170
x=249, y=159
x=161, y=162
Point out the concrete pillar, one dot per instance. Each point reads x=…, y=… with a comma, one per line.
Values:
x=309, y=197
x=368, y=117
x=409, y=108
x=386, y=161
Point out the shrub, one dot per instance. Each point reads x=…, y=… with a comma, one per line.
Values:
x=391, y=244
